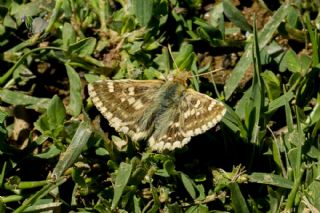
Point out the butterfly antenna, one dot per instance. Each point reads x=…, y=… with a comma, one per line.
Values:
x=212, y=71
x=174, y=62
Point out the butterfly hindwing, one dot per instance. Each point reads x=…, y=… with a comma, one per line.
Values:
x=173, y=137
x=123, y=102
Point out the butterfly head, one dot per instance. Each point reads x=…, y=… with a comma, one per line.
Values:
x=180, y=77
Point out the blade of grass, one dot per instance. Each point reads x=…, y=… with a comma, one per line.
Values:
x=121, y=181
x=79, y=140
x=189, y=185
x=235, y=16
x=38, y=195
x=238, y=202
x=264, y=37
x=271, y=179
x=75, y=104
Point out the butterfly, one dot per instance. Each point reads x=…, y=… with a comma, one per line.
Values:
x=167, y=113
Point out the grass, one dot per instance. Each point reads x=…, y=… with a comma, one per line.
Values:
x=57, y=153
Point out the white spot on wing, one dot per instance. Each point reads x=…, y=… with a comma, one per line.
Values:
x=131, y=90
x=91, y=91
x=210, y=107
x=138, y=136
x=167, y=146
x=185, y=141
x=131, y=100
x=197, y=131
x=189, y=133
x=151, y=142
x=97, y=102
x=108, y=115
x=204, y=128
x=103, y=110
x=158, y=146
x=176, y=144
x=138, y=105
x=110, y=86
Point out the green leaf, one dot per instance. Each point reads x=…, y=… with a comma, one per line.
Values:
x=238, y=202
x=174, y=208
x=313, y=192
x=3, y=116
x=75, y=104
x=136, y=202
x=272, y=84
x=185, y=57
x=9, y=22
x=314, y=115
x=255, y=106
x=38, y=195
x=56, y=112
x=280, y=101
x=294, y=156
x=76, y=146
x=276, y=154
x=292, y=61
x=38, y=25
x=270, y=179
x=235, y=16
x=288, y=112
x=83, y=47
x=18, y=98
x=198, y=209
x=163, y=60
x=143, y=10
x=52, y=152
x=121, y=181
x=68, y=35
x=3, y=172
x=3, y=131
x=53, y=119
x=189, y=185
x=27, y=9
x=234, y=123
x=216, y=18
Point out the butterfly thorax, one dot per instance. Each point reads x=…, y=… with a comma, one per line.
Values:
x=170, y=94
x=157, y=118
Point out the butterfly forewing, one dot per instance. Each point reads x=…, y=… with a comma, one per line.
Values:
x=123, y=102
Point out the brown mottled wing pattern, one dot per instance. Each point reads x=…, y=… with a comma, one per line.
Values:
x=196, y=113
x=200, y=113
x=123, y=102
